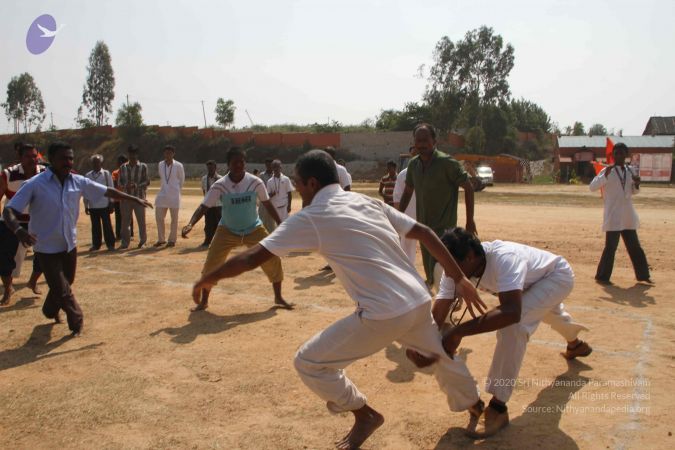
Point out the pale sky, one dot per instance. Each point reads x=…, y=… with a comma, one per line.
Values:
x=307, y=61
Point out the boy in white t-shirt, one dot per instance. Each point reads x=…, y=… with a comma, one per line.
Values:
x=359, y=237
x=531, y=285
x=280, y=188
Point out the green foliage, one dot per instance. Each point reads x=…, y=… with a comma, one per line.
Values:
x=530, y=117
x=225, y=112
x=404, y=120
x=24, y=105
x=129, y=116
x=475, y=140
x=597, y=129
x=578, y=129
x=99, y=89
x=83, y=122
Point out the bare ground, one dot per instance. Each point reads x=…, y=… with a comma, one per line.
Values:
x=147, y=373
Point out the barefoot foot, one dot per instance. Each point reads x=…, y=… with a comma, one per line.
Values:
x=200, y=307
x=366, y=421
x=6, y=297
x=36, y=290
x=281, y=303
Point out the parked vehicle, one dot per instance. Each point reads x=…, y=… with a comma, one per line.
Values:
x=486, y=175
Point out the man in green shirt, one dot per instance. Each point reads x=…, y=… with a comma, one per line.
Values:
x=435, y=178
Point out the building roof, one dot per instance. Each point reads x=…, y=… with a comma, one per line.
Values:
x=630, y=141
x=660, y=125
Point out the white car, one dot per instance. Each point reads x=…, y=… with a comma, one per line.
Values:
x=486, y=175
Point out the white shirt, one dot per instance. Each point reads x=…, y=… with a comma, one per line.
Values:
x=207, y=182
x=54, y=208
x=280, y=187
x=101, y=177
x=399, y=187
x=240, y=214
x=171, y=179
x=359, y=237
x=509, y=266
x=343, y=175
x=618, y=192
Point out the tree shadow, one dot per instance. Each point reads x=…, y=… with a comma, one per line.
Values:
x=22, y=303
x=324, y=278
x=205, y=322
x=636, y=296
x=540, y=421
x=38, y=347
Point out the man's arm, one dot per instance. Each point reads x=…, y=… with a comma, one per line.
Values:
x=290, y=199
x=468, y=201
x=118, y=195
x=272, y=211
x=405, y=198
x=9, y=216
x=196, y=217
x=3, y=185
x=600, y=179
x=433, y=244
x=144, y=182
x=381, y=189
x=236, y=265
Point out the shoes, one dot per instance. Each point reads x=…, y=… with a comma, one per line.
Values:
x=111, y=249
x=170, y=244
x=141, y=245
x=94, y=249
x=580, y=350
x=159, y=244
x=123, y=247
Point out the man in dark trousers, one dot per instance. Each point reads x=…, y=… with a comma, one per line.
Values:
x=212, y=216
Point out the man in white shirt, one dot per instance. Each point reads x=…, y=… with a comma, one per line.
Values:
x=238, y=192
x=172, y=178
x=99, y=210
x=54, y=201
x=620, y=219
x=212, y=216
x=267, y=220
x=280, y=190
x=531, y=285
x=359, y=238
x=343, y=174
x=409, y=245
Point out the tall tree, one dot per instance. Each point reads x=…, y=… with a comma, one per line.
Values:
x=24, y=105
x=528, y=116
x=225, y=112
x=129, y=116
x=578, y=129
x=597, y=129
x=475, y=69
x=99, y=89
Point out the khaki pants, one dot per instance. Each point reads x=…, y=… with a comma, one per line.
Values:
x=321, y=361
x=542, y=302
x=224, y=241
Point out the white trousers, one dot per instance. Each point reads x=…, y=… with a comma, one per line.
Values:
x=542, y=302
x=19, y=256
x=160, y=215
x=320, y=362
x=410, y=248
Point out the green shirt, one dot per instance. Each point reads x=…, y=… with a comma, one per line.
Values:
x=436, y=189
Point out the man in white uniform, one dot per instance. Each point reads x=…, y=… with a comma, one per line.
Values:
x=172, y=178
x=343, y=174
x=531, y=285
x=99, y=210
x=620, y=219
x=280, y=190
x=359, y=238
x=409, y=245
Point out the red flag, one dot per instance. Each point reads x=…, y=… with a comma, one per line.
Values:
x=609, y=155
x=597, y=166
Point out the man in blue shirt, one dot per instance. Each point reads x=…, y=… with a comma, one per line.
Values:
x=54, y=200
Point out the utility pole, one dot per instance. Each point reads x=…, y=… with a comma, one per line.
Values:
x=51, y=114
x=127, y=101
x=204, y=112
x=249, y=117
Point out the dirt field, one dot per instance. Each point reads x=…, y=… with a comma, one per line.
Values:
x=147, y=373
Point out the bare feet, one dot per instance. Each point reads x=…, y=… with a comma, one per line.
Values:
x=366, y=421
x=33, y=287
x=200, y=307
x=493, y=422
x=281, y=303
x=7, y=296
x=475, y=412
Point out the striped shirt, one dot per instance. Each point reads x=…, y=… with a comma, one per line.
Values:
x=137, y=175
x=387, y=184
x=14, y=177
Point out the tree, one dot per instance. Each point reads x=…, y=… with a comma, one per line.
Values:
x=405, y=119
x=530, y=117
x=129, y=116
x=597, y=129
x=474, y=69
x=81, y=121
x=475, y=140
x=24, y=103
x=578, y=129
x=99, y=89
x=225, y=112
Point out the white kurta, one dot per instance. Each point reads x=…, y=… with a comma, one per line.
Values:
x=278, y=189
x=618, y=196
x=172, y=178
x=409, y=245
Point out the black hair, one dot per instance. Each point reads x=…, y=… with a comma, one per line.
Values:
x=427, y=126
x=458, y=241
x=122, y=159
x=391, y=163
x=620, y=146
x=23, y=148
x=331, y=151
x=235, y=151
x=317, y=164
x=268, y=160
x=56, y=147
x=210, y=162
x=17, y=145
x=133, y=149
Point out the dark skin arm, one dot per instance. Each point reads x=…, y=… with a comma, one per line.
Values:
x=196, y=217
x=243, y=262
x=468, y=201
x=290, y=199
x=405, y=198
x=272, y=211
x=381, y=189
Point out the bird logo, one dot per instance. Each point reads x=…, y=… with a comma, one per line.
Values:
x=41, y=34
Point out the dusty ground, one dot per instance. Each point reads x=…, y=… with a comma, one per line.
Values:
x=149, y=374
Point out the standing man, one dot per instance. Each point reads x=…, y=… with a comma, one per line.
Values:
x=121, y=159
x=359, y=237
x=134, y=180
x=239, y=225
x=387, y=184
x=99, y=210
x=531, y=285
x=212, y=216
x=54, y=201
x=12, y=253
x=280, y=190
x=343, y=174
x=620, y=219
x=172, y=178
x=435, y=178
x=409, y=245
x=265, y=217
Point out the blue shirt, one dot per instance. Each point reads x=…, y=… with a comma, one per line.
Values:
x=54, y=208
